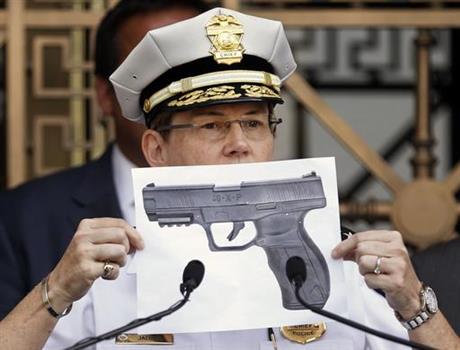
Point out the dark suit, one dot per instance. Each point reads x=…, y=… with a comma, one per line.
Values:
x=439, y=267
x=39, y=219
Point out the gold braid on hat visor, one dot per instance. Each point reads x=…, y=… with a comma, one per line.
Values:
x=211, y=79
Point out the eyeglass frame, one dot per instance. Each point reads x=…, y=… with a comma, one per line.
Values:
x=272, y=125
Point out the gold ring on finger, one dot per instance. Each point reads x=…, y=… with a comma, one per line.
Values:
x=107, y=269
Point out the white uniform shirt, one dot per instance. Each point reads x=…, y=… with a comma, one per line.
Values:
x=109, y=304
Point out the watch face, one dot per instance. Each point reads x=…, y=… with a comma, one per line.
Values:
x=431, y=301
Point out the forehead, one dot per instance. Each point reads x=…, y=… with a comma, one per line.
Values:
x=228, y=109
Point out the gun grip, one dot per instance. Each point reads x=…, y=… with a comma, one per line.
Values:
x=316, y=288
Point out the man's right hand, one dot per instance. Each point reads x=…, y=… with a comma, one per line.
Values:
x=96, y=242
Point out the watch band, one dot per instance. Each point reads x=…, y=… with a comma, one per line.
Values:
x=425, y=312
x=415, y=321
x=47, y=303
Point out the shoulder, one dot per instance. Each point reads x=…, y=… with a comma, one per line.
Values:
x=46, y=183
x=436, y=264
x=49, y=201
x=54, y=186
x=443, y=254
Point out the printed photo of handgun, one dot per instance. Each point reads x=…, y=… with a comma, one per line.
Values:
x=276, y=207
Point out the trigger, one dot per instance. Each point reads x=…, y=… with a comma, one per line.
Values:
x=237, y=227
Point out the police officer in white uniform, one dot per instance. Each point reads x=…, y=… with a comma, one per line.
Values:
x=205, y=87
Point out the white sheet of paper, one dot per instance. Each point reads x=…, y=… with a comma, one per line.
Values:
x=239, y=290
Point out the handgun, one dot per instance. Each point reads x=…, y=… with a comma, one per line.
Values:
x=276, y=207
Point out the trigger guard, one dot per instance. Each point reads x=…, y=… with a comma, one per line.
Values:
x=212, y=244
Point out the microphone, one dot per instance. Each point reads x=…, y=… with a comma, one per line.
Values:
x=296, y=272
x=191, y=279
x=192, y=276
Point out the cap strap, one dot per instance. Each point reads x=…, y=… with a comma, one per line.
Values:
x=210, y=79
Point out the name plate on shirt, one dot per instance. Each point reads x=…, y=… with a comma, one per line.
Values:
x=144, y=339
x=304, y=333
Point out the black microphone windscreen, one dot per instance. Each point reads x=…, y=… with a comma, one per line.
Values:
x=194, y=271
x=295, y=268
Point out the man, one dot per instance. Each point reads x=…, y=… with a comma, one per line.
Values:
x=213, y=104
x=203, y=111
x=436, y=266
x=38, y=219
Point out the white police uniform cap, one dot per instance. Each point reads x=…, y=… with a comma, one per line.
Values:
x=219, y=56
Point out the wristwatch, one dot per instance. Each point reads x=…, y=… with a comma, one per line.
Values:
x=429, y=306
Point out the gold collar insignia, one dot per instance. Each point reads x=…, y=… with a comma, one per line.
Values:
x=225, y=33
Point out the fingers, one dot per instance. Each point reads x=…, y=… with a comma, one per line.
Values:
x=368, y=264
x=113, y=230
x=114, y=235
x=101, y=222
x=383, y=249
x=383, y=260
x=105, y=241
x=91, y=270
x=98, y=248
x=110, y=252
x=384, y=282
x=91, y=265
x=365, y=240
x=135, y=239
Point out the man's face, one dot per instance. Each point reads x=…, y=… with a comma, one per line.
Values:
x=129, y=34
x=196, y=146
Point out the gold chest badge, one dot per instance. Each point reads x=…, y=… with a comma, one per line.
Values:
x=305, y=333
x=225, y=33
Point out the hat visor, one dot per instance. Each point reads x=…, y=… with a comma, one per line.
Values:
x=220, y=94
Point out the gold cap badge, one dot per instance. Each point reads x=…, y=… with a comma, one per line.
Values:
x=225, y=33
x=305, y=333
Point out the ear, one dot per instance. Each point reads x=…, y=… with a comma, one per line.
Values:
x=105, y=96
x=154, y=148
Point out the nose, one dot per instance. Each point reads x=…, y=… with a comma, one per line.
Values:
x=236, y=144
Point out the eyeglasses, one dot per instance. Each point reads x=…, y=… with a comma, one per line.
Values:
x=254, y=129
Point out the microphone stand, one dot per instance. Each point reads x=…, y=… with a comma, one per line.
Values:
x=136, y=323
x=357, y=325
